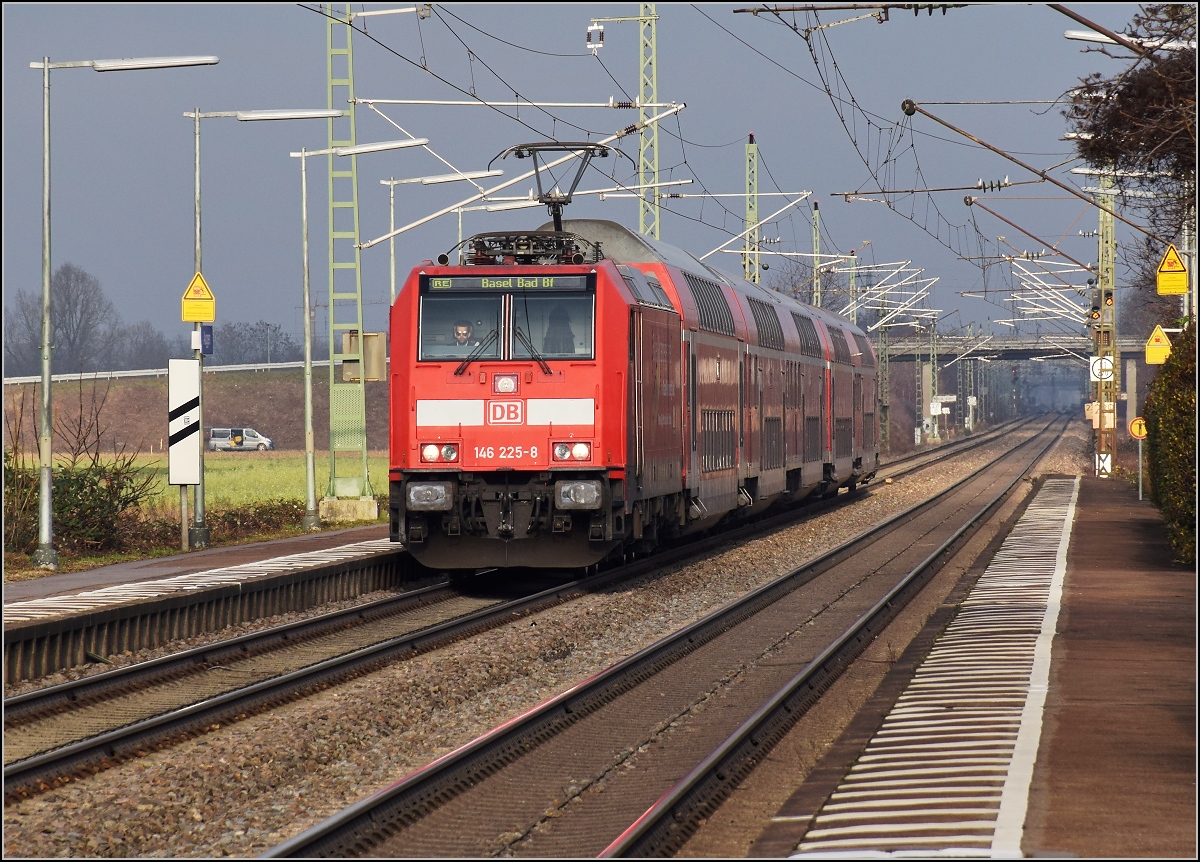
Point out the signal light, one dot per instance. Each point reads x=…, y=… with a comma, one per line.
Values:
x=1108, y=298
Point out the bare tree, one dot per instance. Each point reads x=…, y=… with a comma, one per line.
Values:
x=23, y=335
x=137, y=346
x=240, y=343
x=82, y=320
x=1141, y=122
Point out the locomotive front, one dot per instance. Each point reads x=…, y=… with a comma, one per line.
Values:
x=502, y=451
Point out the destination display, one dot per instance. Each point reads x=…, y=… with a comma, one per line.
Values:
x=508, y=282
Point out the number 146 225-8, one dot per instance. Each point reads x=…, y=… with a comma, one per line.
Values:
x=506, y=452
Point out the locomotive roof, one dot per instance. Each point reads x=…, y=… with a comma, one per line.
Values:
x=622, y=245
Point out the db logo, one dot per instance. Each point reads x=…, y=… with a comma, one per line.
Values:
x=505, y=413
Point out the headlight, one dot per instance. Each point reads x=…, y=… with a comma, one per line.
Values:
x=569, y=451
x=578, y=494
x=430, y=452
x=450, y=452
x=431, y=496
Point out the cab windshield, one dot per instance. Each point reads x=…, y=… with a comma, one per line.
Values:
x=558, y=327
x=538, y=325
x=457, y=326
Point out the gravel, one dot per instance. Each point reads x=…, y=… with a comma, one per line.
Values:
x=245, y=787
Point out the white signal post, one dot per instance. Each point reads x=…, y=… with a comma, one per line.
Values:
x=186, y=436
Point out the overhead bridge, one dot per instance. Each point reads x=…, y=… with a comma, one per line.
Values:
x=1008, y=347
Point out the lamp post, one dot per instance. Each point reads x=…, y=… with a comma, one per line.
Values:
x=45, y=556
x=312, y=518
x=198, y=535
x=493, y=208
x=427, y=181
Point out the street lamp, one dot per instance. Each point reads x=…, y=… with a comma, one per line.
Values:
x=312, y=519
x=198, y=535
x=425, y=181
x=45, y=556
x=493, y=208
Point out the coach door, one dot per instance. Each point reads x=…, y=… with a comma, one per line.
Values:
x=693, y=463
x=637, y=350
x=858, y=415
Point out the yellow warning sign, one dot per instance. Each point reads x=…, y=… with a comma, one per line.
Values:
x=1158, y=347
x=1172, y=274
x=1137, y=428
x=199, y=304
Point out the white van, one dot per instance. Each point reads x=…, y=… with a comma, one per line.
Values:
x=237, y=440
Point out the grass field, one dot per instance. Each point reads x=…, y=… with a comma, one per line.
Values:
x=236, y=478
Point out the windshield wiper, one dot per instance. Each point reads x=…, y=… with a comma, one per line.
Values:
x=524, y=339
x=476, y=353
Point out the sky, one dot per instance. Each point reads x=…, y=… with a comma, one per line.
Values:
x=825, y=112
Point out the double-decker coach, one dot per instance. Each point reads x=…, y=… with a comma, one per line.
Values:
x=561, y=395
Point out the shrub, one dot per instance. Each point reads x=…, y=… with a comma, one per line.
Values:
x=252, y=519
x=225, y=526
x=90, y=491
x=1170, y=414
x=20, y=504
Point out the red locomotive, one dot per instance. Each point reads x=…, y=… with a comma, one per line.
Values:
x=563, y=395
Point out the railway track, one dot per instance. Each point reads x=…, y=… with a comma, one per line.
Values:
x=87, y=725
x=681, y=721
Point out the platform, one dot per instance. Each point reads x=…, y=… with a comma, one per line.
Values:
x=1108, y=726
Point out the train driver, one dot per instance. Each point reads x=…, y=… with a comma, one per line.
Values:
x=462, y=335
x=559, y=337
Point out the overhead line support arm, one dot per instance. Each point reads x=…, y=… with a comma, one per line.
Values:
x=970, y=201
x=910, y=107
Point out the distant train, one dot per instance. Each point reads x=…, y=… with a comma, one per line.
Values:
x=561, y=396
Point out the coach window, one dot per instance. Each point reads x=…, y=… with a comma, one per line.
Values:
x=558, y=327
x=441, y=315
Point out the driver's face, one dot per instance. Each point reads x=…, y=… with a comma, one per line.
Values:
x=461, y=333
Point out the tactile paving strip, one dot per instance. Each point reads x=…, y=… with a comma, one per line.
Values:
x=949, y=771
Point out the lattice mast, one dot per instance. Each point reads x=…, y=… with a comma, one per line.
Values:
x=750, y=250
x=348, y=475
x=648, y=221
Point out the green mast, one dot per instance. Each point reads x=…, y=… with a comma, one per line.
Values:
x=648, y=148
x=347, y=397
x=750, y=252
